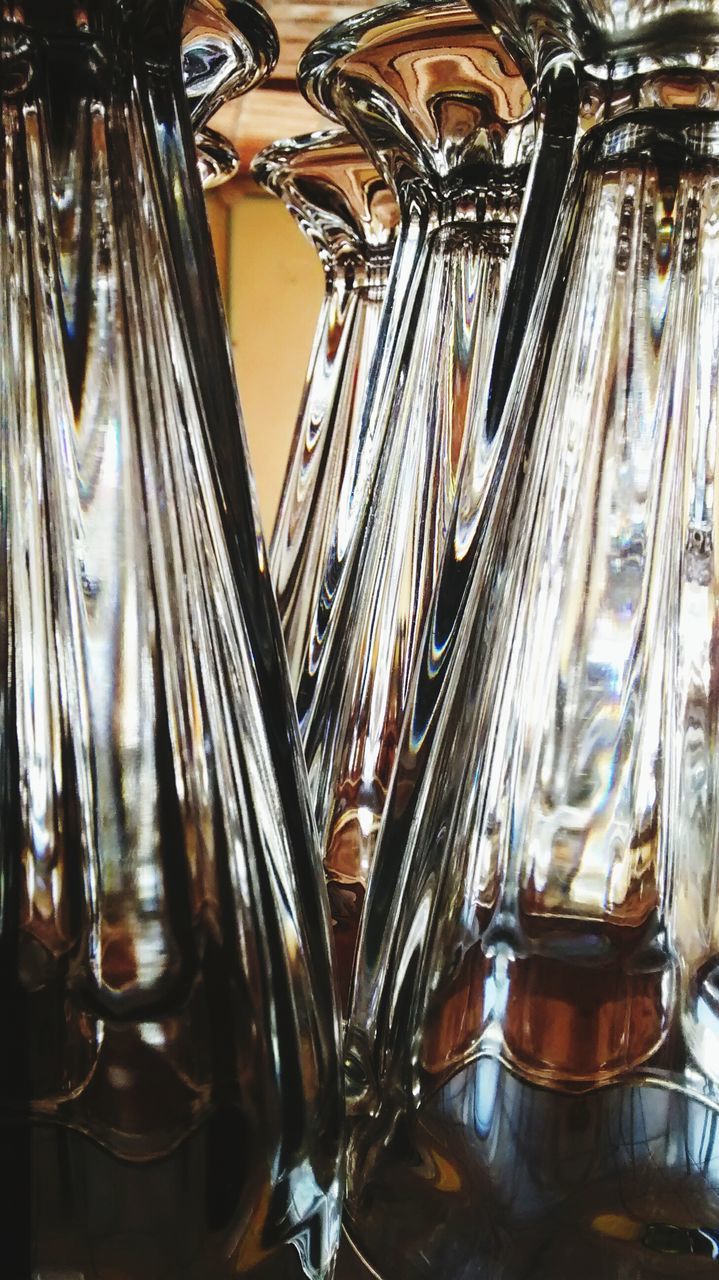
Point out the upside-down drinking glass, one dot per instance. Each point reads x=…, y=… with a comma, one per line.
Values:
x=533, y=1051
x=169, y=1084
x=446, y=116
x=349, y=214
x=228, y=48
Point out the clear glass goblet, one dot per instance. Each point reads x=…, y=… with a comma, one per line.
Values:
x=446, y=116
x=349, y=214
x=227, y=49
x=169, y=1074
x=533, y=1057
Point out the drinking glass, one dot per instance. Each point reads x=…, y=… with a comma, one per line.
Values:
x=349, y=214
x=169, y=1079
x=446, y=116
x=532, y=1057
x=227, y=49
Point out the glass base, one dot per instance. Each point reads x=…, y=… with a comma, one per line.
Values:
x=496, y=1179
x=71, y=1210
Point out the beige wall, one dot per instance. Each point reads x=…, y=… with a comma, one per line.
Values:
x=273, y=284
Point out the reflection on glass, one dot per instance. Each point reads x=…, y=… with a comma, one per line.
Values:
x=446, y=116
x=533, y=1056
x=227, y=49
x=346, y=210
x=169, y=1087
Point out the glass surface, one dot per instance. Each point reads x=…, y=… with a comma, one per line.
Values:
x=350, y=216
x=446, y=117
x=228, y=47
x=169, y=1083
x=532, y=1054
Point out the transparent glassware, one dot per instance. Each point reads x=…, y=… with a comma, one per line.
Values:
x=169, y=1067
x=228, y=47
x=446, y=117
x=349, y=214
x=532, y=1056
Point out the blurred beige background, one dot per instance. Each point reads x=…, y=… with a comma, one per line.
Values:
x=272, y=282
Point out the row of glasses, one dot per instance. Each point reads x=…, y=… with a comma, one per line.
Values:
x=169, y=1069
x=532, y=1045
x=532, y=1041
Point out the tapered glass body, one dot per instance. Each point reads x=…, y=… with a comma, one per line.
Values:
x=339, y=200
x=447, y=117
x=169, y=1096
x=532, y=1055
